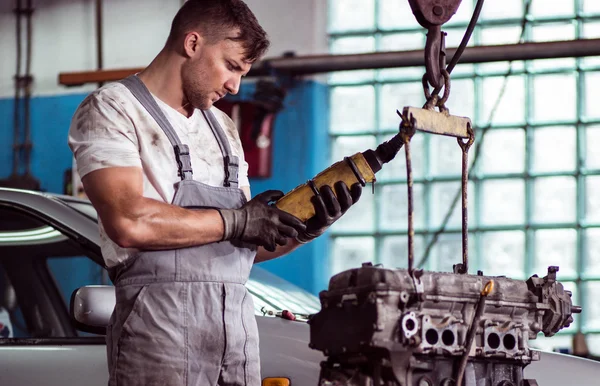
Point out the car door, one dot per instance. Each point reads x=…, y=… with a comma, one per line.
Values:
x=42, y=347
x=49, y=235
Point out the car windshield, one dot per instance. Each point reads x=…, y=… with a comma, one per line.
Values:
x=271, y=293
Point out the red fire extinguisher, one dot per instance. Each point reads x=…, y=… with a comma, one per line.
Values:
x=255, y=120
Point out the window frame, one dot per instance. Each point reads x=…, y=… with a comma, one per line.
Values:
x=477, y=230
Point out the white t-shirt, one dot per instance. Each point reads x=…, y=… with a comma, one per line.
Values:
x=111, y=129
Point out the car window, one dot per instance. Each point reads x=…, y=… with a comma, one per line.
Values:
x=14, y=221
x=73, y=272
x=11, y=318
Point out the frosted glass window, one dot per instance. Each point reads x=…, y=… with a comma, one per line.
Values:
x=592, y=147
x=407, y=41
x=447, y=252
x=360, y=217
x=511, y=109
x=592, y=253
x=453, y=39
x=555, y=98
x=502, y=9
x=591, y=318
x=396, y=169
x=555, y=247
x=592, y=85
x=351, y=252
x=503, y=254
x=593, y=342
x=445, y=156
x=591, y=30
x=554, y=149
x=394, y=97
x=463, y=14
x=503, y=151
x=496, y=36
x=555, y=343
x=592, y=199
x=442, y=196
x=351, y=15
x=534, y=194
x=553, y=32
x=395, y=14
x=462, y=98
x=503, y=202
x=347, y=146
x=500, y=35
x=591, y=6
x=393, y=212
x=352, y=45
x=550, y=8
x=352, y=109
x=554, y=200
x=394, y=251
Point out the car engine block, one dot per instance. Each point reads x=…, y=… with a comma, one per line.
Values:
x=389, y=327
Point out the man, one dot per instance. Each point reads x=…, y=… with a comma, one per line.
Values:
x=178, y=228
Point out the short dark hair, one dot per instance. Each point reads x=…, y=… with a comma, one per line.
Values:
x=214, y=19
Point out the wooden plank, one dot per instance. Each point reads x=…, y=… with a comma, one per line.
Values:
x=99, y=76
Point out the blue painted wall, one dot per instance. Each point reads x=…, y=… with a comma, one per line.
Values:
x=300, y=152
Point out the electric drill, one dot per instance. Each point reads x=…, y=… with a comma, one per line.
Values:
x=361, y=167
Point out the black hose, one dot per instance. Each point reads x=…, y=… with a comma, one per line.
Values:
x=463, y=43
x=28, y=83
x=16, y=106
x=466, y=37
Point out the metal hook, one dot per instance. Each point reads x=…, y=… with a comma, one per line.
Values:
x=435, y=56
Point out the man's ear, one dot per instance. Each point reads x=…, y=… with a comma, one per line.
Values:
x=192, y=43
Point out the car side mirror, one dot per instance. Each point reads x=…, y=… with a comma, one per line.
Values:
x=91, y=308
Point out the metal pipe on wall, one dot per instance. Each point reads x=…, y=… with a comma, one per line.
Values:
x=22, y=144
x=99, y=42
x=307, y=65
x=17, y=102
x=327, y=63
x=28, y=79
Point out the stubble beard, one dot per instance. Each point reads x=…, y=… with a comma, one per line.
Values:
x=194, y=87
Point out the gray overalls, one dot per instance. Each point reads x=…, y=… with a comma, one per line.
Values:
x=184, y=316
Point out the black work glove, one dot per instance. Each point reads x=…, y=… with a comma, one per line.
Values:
x=329, y=209
x=261, y=224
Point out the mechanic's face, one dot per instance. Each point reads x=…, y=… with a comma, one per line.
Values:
x=212, y=71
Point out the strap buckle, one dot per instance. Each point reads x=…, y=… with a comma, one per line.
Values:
x=231, y=166
x=184, y=161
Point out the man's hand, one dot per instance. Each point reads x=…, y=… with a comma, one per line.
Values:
x=262, y=224
x=329, y=208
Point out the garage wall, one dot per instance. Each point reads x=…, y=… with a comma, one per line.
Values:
x=64, y=40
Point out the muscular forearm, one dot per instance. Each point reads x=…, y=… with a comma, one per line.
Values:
x=154, y=225
x=134, y=221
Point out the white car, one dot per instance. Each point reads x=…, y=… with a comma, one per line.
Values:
x=42, y=236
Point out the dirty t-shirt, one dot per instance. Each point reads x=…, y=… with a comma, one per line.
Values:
x=112, y=129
